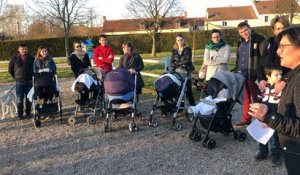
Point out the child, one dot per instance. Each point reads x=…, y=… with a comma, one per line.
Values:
x=273, y=74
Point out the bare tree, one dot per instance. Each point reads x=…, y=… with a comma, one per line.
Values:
x=63, y=13
x=152, y=14
x=290, y=7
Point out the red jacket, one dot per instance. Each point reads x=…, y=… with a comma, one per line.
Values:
x=105, y=63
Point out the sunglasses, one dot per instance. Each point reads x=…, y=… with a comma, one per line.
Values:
x=77, y=46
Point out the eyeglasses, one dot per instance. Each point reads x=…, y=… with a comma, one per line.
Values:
x=283, y=46
x=77, y=46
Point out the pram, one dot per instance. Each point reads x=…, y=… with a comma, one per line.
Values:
x=220, y=119
x=46, y=100
x=89, y=84
x=120, y=88
x=170, y=99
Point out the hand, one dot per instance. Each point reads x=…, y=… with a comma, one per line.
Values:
x=41, y=70
x=279, y=87
x=262, y=85
x=258, y=110
x=110, y=56
x=132, y=71
x=99, y=58
x=264, y=125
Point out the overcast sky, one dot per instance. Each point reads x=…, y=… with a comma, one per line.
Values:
x=114, y=9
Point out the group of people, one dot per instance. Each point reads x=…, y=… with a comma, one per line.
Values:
x=270, y=67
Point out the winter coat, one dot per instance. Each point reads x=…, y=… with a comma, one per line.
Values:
x=255, y=66
x=77, y=64
x=105, y=63
x=216, y=61
x=20, y=71
x=183, y=60
x=48, y=62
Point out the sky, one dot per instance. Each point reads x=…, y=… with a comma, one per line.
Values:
x=114, y=9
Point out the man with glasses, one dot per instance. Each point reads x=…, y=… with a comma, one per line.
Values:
x=104, y=55
x=248, y=62
x=21, y=69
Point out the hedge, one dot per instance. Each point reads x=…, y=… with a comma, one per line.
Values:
x=141, y=42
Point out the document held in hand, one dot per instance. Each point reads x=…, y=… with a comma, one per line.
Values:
x=260, y=132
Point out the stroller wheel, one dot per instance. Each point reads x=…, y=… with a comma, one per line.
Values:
x=91, y=120
x=211, y=143
x=191, y=136
x=133, y=127
x=72, y=120
x=242, y=136
x=236, y=134
x=177, y=126
x=37, y=123
x=197, y=136
x=154, y=123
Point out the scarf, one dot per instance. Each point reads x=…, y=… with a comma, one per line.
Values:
x=41, y=64
x=215, y=46
x=79, y=55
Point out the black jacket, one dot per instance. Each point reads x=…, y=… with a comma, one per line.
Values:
x=135, y=62
x=77, y=64
x=255, y=67
x=268, y=49
x=20, y=71
x=183, y=59
x=286, y=121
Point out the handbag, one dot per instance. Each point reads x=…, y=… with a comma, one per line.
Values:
x=202, y=72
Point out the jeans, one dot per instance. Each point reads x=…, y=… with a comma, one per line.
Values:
x=21, y=92
x=274, y=144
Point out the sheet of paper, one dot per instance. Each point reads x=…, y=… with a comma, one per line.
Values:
x=260, y=133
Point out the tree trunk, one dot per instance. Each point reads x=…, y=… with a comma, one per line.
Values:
x=66, y=37
x=193, y=49
x=153, y=53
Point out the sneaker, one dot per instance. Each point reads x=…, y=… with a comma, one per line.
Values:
x=241, y=124
x=260, y=156
x=275, y=161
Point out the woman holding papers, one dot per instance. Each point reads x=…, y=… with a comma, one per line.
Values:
x=286, y=120
x=43, y=61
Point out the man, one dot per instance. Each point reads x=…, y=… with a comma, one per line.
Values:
x=104, y=55
x=268, y=52
x=21, y=69
x=248, y=62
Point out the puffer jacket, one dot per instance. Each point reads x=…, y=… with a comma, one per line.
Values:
x=20, y=71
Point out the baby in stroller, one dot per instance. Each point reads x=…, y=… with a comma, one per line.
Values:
x=218, y=119
x=89, y=85
x=120, y=88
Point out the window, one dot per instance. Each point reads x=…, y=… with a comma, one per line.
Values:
x=266, y=19
x=224, y=24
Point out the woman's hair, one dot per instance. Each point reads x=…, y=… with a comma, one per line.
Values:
x=76, y=42
x=38, y=52
x=293, y=35
x=175, y=44
x=215, y=31
x=280, y=19
x=128, y=44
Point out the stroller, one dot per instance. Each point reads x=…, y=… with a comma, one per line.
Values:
x=90, y=84
x=120, y=88
x=170, y=99
x=46, y=100
x=219, y=120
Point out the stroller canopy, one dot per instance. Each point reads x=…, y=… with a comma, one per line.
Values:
x=233, y=81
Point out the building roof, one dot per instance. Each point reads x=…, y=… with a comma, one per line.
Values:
x=127, y=25
x=271, y=7
x=231, y=13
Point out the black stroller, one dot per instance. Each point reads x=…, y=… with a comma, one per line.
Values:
x=46, y=100
x=90, y=85
x=170, y=99
x=220, y=119
x=120, y=87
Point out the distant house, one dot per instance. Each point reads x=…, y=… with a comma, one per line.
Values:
x=138, y=26
x=229, y=17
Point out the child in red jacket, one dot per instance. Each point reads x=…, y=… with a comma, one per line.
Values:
x=104, y=55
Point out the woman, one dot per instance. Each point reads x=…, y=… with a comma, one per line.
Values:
x=134, y=63
x=43, y=61
x=79, y=59
x=181, y=61
x=286, y=120
x=216, y=56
